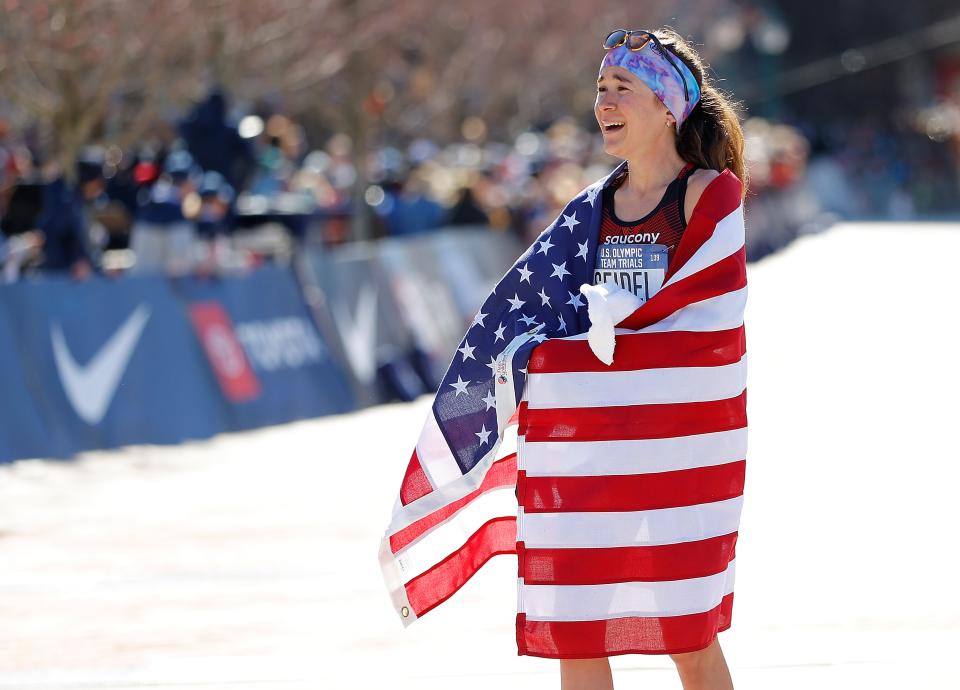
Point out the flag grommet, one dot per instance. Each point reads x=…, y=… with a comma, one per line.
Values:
x=404, y=612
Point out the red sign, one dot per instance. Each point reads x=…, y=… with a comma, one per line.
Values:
x=224, y=351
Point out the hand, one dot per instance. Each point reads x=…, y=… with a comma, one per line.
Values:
x=81, y=270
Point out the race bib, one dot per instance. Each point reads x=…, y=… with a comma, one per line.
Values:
x=639, y=268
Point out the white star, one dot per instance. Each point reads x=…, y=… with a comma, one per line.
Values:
x=544, y=300
x=560, y=270
x=466, y=351
x=516, y=302
x=545, y=246
x=460, y=386
x=570, y=221
x=524, y=370
x=499, y=333
x=490, y=401
x=592, y=195
x=482, y=434
x=540, y=337
x=583, y=251
x=574, y=300
x=563, y=324
x=527, y=320
x=478, y=319
x=493, y=365
x=525, y=274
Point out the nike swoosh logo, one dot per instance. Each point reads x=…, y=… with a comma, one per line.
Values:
x=90, y=388
x=359, y=335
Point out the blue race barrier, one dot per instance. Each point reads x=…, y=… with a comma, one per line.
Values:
x=23, y=431
x=269, y=359
x=102, y=363
x=112, y=362
x=363, y=319
x=107, y=363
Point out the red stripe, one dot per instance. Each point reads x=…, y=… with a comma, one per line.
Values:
x=720, y=198
x=501, y=473
x=680, y=561
x=648, y=491
x=633, y=635
x=643, y=351
x=724, y=276
x=435, y=586
x=625, y=422
x=415, y=483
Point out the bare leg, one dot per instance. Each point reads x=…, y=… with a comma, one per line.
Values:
x=705, y=669
x=585, y=674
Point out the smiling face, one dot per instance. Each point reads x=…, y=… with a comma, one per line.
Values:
x=623, y=97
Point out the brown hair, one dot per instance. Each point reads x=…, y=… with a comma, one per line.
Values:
x=711, y=137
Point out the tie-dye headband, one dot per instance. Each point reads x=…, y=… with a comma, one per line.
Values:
x=654, y=70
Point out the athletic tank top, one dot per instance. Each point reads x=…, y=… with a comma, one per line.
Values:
x=636, y=254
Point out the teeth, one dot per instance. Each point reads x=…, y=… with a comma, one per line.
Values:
x=611, y=124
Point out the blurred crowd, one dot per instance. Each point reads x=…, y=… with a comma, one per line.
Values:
x=215, y=194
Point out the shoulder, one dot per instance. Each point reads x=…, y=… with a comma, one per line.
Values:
x=729, y=186
x=696, y=183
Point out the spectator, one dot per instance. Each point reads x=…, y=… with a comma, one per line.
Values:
x=64, y=223
x=466, y=210
x=162, y=238
x=215, y=222
x=412, y=211
x=17, y=251
x=216, y=144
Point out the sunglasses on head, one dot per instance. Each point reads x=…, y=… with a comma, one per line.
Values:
x=636, y=40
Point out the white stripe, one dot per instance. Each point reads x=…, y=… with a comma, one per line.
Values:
x=638, y=387
x=727, y=238
x=718, y=313
x=465, y=484
x=631, y=528
x=444, y=539
x=645, y=599
x=393, y=579
x=435, y=456
x=505, y=392
x=714, y=314
x=577, y=459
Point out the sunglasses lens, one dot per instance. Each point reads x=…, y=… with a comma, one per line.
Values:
x=614, y=39
x=637, y=41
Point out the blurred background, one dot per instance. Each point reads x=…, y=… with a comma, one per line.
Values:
x=200, y=138
x=224, y=216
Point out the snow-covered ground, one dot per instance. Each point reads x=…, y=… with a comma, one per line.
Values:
x=249, y=561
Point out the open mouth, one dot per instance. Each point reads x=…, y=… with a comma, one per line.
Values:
x=613, y=126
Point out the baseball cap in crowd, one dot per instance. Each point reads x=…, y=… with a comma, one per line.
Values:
x=90, y=163
x=214, y=184
x=180, y=166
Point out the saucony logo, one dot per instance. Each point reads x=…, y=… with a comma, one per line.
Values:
x=90, y=388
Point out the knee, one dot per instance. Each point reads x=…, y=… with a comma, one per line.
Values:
x=586, y=674
x=693, y=662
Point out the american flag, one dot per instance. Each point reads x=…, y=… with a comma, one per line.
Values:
x=456, y=507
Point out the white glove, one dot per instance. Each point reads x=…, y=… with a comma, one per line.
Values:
x=607, y=305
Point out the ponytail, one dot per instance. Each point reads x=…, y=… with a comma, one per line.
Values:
x=711, y=137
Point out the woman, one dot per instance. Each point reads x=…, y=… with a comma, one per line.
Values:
x=674, y=145
x=631, y=443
